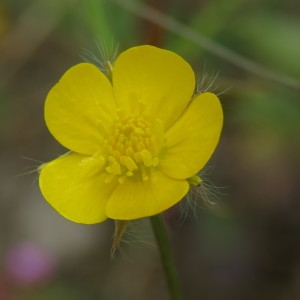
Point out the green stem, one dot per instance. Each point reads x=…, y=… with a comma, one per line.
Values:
x=166, y=256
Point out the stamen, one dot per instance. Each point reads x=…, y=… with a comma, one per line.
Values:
x=145, y=177
x=129, y=163
x=147, y=158
x=132, y=148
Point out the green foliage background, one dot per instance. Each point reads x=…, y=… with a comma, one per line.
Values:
x=247, y=245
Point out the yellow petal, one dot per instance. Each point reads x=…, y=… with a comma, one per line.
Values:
x=135, y=199
x=74, y=185
x=77, y=106
x=191, y=141
x=156, y=81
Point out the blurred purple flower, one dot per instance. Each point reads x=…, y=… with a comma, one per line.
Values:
x=28, y=264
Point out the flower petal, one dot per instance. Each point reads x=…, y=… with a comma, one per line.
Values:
x=191, y=141
x=74, y=185
x=156, y=81
x=77, y=106
x=138, y=199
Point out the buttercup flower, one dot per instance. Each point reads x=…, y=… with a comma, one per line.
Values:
x=134, y=141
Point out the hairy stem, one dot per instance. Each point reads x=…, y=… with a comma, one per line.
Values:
x=166, y=256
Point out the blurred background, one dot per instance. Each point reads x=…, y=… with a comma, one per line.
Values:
x=247, y=245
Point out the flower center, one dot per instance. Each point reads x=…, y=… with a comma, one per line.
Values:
x=132, y=148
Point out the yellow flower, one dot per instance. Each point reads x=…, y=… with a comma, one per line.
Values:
x=134, y=142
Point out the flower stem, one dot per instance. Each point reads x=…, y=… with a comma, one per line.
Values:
x=166, y=256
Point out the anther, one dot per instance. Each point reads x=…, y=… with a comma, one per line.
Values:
x=147, y=158
x=132, y=148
